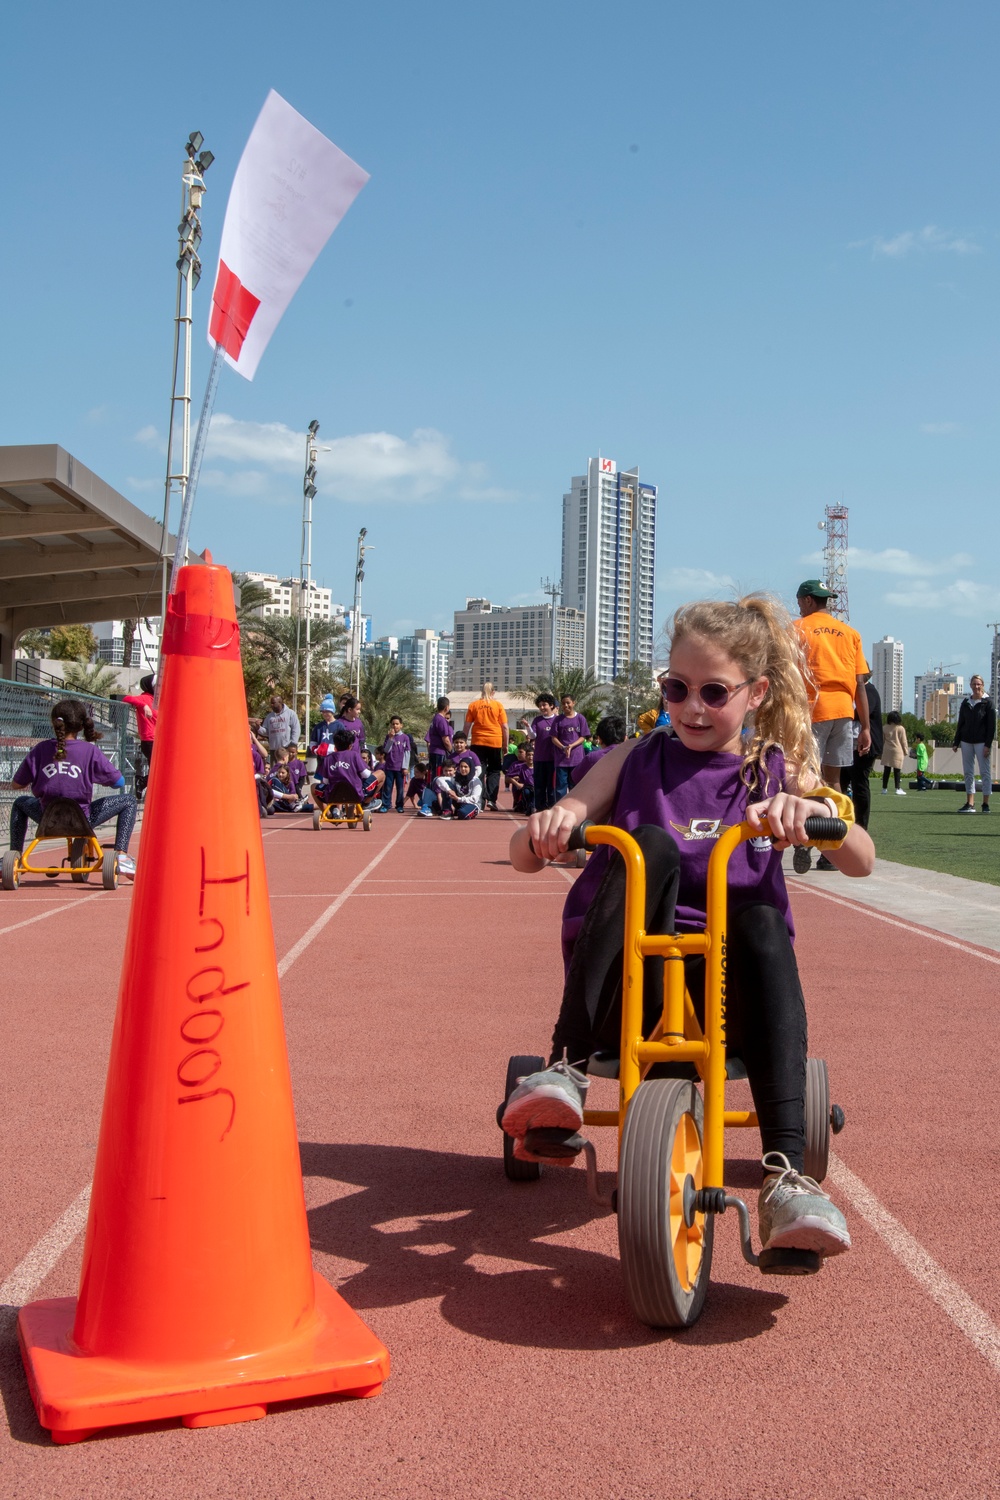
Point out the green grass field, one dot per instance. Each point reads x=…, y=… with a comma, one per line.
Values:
x=925, y=829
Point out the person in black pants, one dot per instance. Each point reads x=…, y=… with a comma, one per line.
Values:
x=854, y=779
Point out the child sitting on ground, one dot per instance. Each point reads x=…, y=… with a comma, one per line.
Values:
x=286, y=798
x=522, y=781
x=734, y=667
x=460, y=793
x=416, y=784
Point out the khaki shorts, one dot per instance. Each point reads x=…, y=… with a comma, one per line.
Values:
x=835, y=742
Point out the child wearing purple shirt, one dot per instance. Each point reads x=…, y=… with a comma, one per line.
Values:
x=540, y=730
x=737, y=695
x=439, y=738
x=67, y=768
x=609, y=732
x=396, y=750
x=568, y=734
x=344, y=776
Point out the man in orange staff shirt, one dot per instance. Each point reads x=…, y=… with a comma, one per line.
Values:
x=837, y=669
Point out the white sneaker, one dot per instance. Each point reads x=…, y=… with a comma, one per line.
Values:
x=794, y=1213
x=901, y=793
x=885, y=791
x=126, y=865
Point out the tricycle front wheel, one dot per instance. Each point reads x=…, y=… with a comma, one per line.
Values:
x=666, y=1262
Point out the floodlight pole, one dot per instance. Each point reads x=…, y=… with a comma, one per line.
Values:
x=196, y=164
x=553, y=590
x=305, y=566
x=359, y=575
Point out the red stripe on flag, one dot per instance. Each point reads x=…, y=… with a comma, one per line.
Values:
x=233, y=308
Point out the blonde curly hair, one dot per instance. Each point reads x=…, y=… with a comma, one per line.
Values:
x=757, y=632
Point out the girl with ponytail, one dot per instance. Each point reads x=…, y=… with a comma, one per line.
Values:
x=740, y=747
x=63, y=767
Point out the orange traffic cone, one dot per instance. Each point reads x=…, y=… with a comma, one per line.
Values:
x=197, y=1295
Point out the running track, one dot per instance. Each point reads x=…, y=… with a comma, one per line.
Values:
x=519, y=1371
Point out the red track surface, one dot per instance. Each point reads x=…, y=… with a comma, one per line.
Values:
x=518, y=1367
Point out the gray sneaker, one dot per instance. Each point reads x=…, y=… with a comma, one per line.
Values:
x=801, y=860
x=794, y=1213
x=551, y=1099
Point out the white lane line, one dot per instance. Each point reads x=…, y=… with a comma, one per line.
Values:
x=27, y=1277
x=314, y=931
x=54, y=911
x=967, y=1315
x=880, y=916
x=40, y=1259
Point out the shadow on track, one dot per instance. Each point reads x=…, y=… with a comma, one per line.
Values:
x=430, y=1224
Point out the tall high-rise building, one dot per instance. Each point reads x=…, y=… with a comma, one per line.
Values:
x=608, y=540
x=511, y=647
x=933, y=692
x=887, y=673
x=428, y=656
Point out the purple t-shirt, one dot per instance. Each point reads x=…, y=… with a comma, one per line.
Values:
x=541, y=730
x=74, y=776
x=590, y=759
x=353, y=726
x=345, y=767
x=525, y=774
x=470, y=756
x=296, y=774
x=571, y=730
x=695, y=796
x=396, y=750
x=439, y=731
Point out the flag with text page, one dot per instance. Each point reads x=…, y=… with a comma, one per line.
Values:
x=291, y=189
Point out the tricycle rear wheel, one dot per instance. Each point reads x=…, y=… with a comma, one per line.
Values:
x=10, y=870
x=817, y=1156
x=519, y=1067
x=666, y=1263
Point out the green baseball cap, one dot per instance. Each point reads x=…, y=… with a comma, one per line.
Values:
x=815, y=590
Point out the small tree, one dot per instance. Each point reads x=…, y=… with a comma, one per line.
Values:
x=83, y=677
x=72, y=643
x=633, y=692
x=581, y=685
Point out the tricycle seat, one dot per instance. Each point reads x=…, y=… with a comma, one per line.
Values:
x=62, y=818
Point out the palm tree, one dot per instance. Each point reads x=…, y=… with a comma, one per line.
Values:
x=268, y=644
x=578, y=683
x=388, y=689
x=82, y=677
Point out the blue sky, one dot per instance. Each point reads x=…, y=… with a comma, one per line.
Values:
x=752, y=248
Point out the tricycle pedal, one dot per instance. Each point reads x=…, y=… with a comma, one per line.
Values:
x=784, y=1262
x=554, y=1142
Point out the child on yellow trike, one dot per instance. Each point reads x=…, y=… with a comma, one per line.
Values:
x=703, y=953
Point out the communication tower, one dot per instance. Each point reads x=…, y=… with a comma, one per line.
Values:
x=994, y=625
x=835, y=559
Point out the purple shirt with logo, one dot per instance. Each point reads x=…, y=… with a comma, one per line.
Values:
x=570, y=730
x=439, y=731
x=74, y=776
x=541, y=730
x=696, y=797
x=353, y=726
x=396, y=750
x=345, y=767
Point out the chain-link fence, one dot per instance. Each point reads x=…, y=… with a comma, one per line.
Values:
x=25, y=718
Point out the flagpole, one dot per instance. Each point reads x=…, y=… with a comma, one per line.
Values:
x=191, y=488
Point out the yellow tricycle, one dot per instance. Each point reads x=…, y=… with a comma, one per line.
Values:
x=62, y=819
x=342, y=811
x=671, y=1131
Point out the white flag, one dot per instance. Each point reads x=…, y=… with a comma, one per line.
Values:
x=291, y=190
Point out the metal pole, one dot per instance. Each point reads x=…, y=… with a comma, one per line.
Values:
x=305, y=582
x=553, y=590
x=359, y=574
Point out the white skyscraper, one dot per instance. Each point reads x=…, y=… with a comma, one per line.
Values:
x=609, y=528
x=887, y=673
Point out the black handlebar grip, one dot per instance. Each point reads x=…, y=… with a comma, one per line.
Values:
x=578, y=838
x=828, y=829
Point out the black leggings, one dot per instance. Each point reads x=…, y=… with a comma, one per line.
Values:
x=885, y=776
x=765, y=1008
x=492, y=759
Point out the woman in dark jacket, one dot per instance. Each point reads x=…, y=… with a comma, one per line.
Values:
x=975, y=732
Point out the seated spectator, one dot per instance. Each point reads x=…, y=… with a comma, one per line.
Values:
x=461, y=794
x=609, y=732
x=286, y=798
x=522, y=781
x=344, y=777
x=297, y=772
x=417, y=782
x=265, y=796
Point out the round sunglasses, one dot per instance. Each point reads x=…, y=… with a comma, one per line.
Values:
x=712, y=694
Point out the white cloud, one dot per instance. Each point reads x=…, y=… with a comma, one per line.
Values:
x=895, y=560
x=364, y=467
x=930, y=239
x=695, y=583
x=939, y=429
x=972, y=601
x=150, y=437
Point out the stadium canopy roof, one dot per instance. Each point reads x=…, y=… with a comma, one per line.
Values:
x=72, y=550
